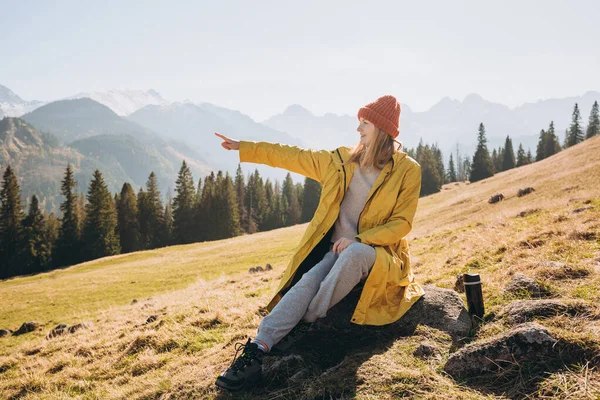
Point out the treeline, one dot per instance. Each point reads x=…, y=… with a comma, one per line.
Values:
x=101, y=224
x=484, y=165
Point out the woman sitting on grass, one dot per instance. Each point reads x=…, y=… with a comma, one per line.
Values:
x=358, y=233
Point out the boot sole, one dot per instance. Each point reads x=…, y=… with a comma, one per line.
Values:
x=246, y=385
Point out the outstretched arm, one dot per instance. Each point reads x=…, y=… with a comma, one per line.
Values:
x=310, y=163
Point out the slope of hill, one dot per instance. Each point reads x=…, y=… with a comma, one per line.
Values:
x=194, y=302
x=124, y=159
x=40, y=161
x=81, y=118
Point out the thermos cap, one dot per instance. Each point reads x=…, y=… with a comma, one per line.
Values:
x=471, y=279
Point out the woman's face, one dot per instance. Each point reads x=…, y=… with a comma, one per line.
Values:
x=367, y=131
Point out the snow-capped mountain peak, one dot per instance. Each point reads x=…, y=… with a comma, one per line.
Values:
x=124, y=101
x=11, y=105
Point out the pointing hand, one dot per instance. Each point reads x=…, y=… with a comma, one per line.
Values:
x=229, y=144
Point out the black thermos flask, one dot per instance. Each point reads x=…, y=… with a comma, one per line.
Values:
x=474, y=295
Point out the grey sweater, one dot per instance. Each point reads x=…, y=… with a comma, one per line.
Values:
x=353, y=203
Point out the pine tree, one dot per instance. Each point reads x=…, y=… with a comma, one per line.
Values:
x=99, y=237
x=460, y=176
x=143, y=221
x=431, y=181
x=229, y=223
x=575, y=133
x=68, y=244
x=240, y=189
x=300, y=197
x=198, y=195
x=481, y=167
x=529, y=156
x=521, y=158
x=551, y=146
x=167, y=232
x=496, y=161
x=293, y=212
x=508, y=160
x=269, y=209
x=451, y=177
x=593, y=127
x=439, y=164
x=205, y=216
x=310, y=202
x=466, y=167
x=11, y=229
x=80, y=212
x=38, y=249
x=540, y=152
x=151, y=215
x=255, y=201
x=274, y=215
x=127, y=217
x=183, y=207
x=52, y=228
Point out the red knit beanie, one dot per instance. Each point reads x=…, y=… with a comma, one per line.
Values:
x=384, y=113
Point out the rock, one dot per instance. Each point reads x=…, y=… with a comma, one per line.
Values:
x=527, y=343
x=133, y=301
x=151, y=319
x=5, y=332
x=459, y=285
x=62, y=329
x=525, y=191
x=521, y=284
x=496, y=198
x=26, y=328
x=439, y=308
x=524, y=310
x=527, y=212
x=57, y=331
x=252, y=270
x=268, y=267
x=580, y=210
x=425, y=350
x=76, y=327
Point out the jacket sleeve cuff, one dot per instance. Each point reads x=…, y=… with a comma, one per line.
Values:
x=245, y=150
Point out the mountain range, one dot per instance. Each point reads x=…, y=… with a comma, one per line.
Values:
x=87, y=134
x=128, y=133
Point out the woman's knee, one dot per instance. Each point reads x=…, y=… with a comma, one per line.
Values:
x=360, y=250
x=358, y=256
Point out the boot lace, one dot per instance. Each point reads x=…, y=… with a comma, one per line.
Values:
x=245, y=359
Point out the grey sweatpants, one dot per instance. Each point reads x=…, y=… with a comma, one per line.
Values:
x=319, y=289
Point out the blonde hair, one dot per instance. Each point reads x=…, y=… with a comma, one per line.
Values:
x=377, y=155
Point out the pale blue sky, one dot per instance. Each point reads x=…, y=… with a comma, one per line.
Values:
x=330, y=56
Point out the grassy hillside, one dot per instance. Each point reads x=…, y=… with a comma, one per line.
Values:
x=204, y=301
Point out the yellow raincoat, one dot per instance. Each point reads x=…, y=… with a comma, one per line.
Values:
x=390, y=289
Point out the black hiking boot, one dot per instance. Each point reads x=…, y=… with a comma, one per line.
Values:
x=245, y=370
x=288, y=341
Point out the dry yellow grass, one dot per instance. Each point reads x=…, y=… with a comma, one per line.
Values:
x=207, y=301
